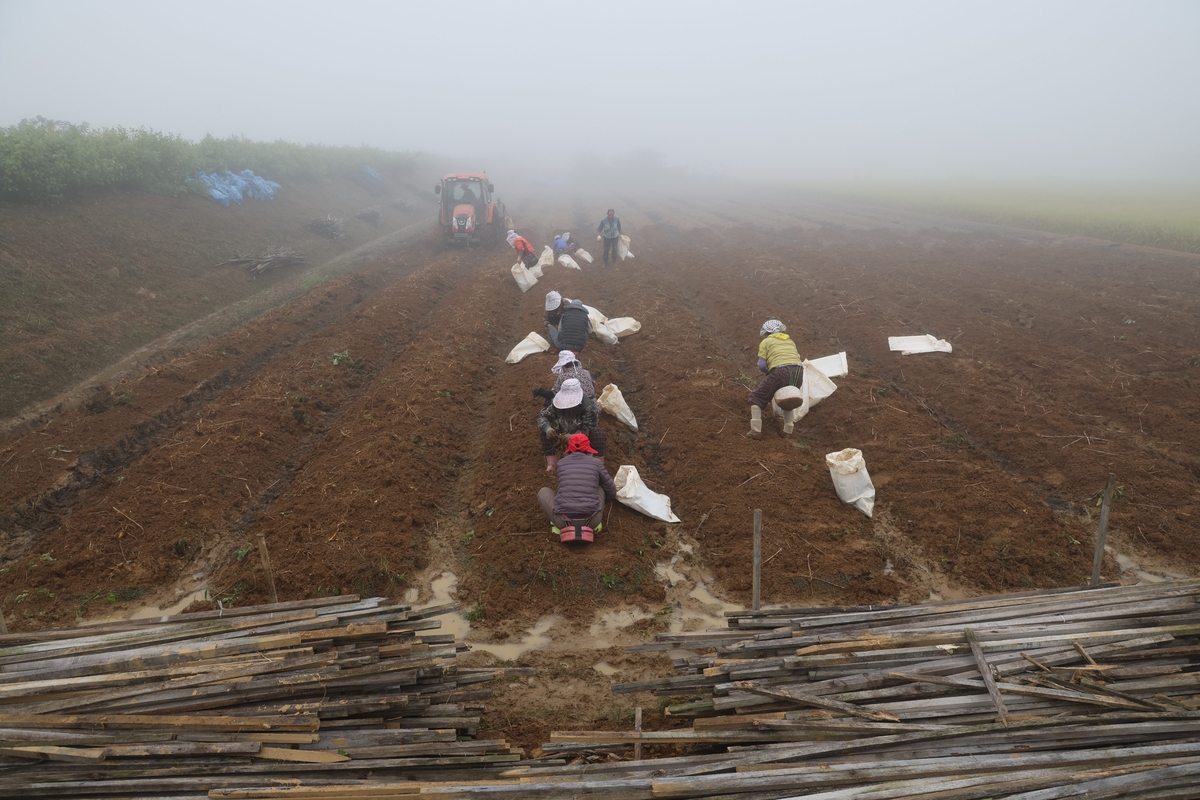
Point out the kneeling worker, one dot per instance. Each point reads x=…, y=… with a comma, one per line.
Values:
x=570, y=412
x=778, y=357
x=574, y=325
x=575, y=511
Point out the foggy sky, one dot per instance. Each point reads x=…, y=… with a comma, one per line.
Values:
x=766, y=90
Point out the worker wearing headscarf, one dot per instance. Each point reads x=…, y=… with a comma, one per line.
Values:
x=779, y=359
x=524, y=249
x=569, y=412
x=575, y=511
x=568, y=367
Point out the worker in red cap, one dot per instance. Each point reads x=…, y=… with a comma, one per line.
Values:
x=575, y=511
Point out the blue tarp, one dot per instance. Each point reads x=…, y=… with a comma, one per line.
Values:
x=233, y=187
x=372, y=173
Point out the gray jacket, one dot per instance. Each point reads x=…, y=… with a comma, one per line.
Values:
x=579, y=476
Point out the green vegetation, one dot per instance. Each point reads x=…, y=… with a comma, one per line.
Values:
x=1166, y=216
x=47, y=161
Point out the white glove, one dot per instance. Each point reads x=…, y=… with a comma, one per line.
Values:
x=598, y=237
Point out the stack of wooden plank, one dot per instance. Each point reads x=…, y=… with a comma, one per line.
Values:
x=172, y=707
x=274, y=258
x=1068, y=693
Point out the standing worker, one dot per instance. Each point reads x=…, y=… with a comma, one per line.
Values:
x=778, y=357
x=524, y=249
x=576, y=509
x=610, y=233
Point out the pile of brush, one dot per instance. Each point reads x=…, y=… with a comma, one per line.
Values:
x=372, y=216
x=330, y=227
x=274, y=258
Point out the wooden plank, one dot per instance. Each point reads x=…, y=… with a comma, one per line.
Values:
x=813, y=700
x=50, y=752
x=986, y=672
x=304, y=756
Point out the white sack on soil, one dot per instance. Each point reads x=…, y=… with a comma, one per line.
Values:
x=584, y=254
x=524, y=278
x=526, y=347
x=908, y=345
x=850, y=479
x=815, y=387
x=567, y=261
x=623, y=326
x=834, y=366
x=637, y=495
x=623, y=248
x=546, y=258
x=600, y=325
x=612, y=401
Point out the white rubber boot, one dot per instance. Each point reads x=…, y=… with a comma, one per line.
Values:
x=789, y=421
x=755, y=422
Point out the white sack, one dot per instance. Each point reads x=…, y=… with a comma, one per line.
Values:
x=531, y=344
x=567, y=261
x=546, y=258
x=815, y=387
x=926, y=343
x=612, y=401
x=584, y=254
x=623, y=326
x=536, y=271
x=600, y=326
x=833, y=366
x=623, y=248
x=637, y=495
x=525, y=279
x=850, y=479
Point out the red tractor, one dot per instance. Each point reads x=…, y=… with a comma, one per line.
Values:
x=468, y=213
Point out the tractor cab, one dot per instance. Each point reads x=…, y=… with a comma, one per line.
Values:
x=468, y=213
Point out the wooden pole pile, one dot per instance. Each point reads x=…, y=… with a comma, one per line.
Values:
x=327, y=688
x=274, y=258
x=1042, y=695
x=330, y=227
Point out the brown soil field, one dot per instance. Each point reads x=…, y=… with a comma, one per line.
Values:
x=371, y=430
x=84, y=283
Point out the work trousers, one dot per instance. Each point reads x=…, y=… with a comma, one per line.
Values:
x=611, y=244
x=776, y=379
x=546, y=501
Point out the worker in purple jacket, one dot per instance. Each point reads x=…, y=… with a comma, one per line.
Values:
x=575, y=511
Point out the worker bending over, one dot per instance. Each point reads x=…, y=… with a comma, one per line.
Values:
x=574, y=325
x=575, y=511
x=568, y=367
x=524, y=249
x=779, y=359
x=565, y=243
x=569, y=412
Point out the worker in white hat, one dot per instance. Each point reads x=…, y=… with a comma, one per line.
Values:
x=571, y=411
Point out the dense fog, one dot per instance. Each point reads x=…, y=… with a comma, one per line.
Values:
x=763, y=90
